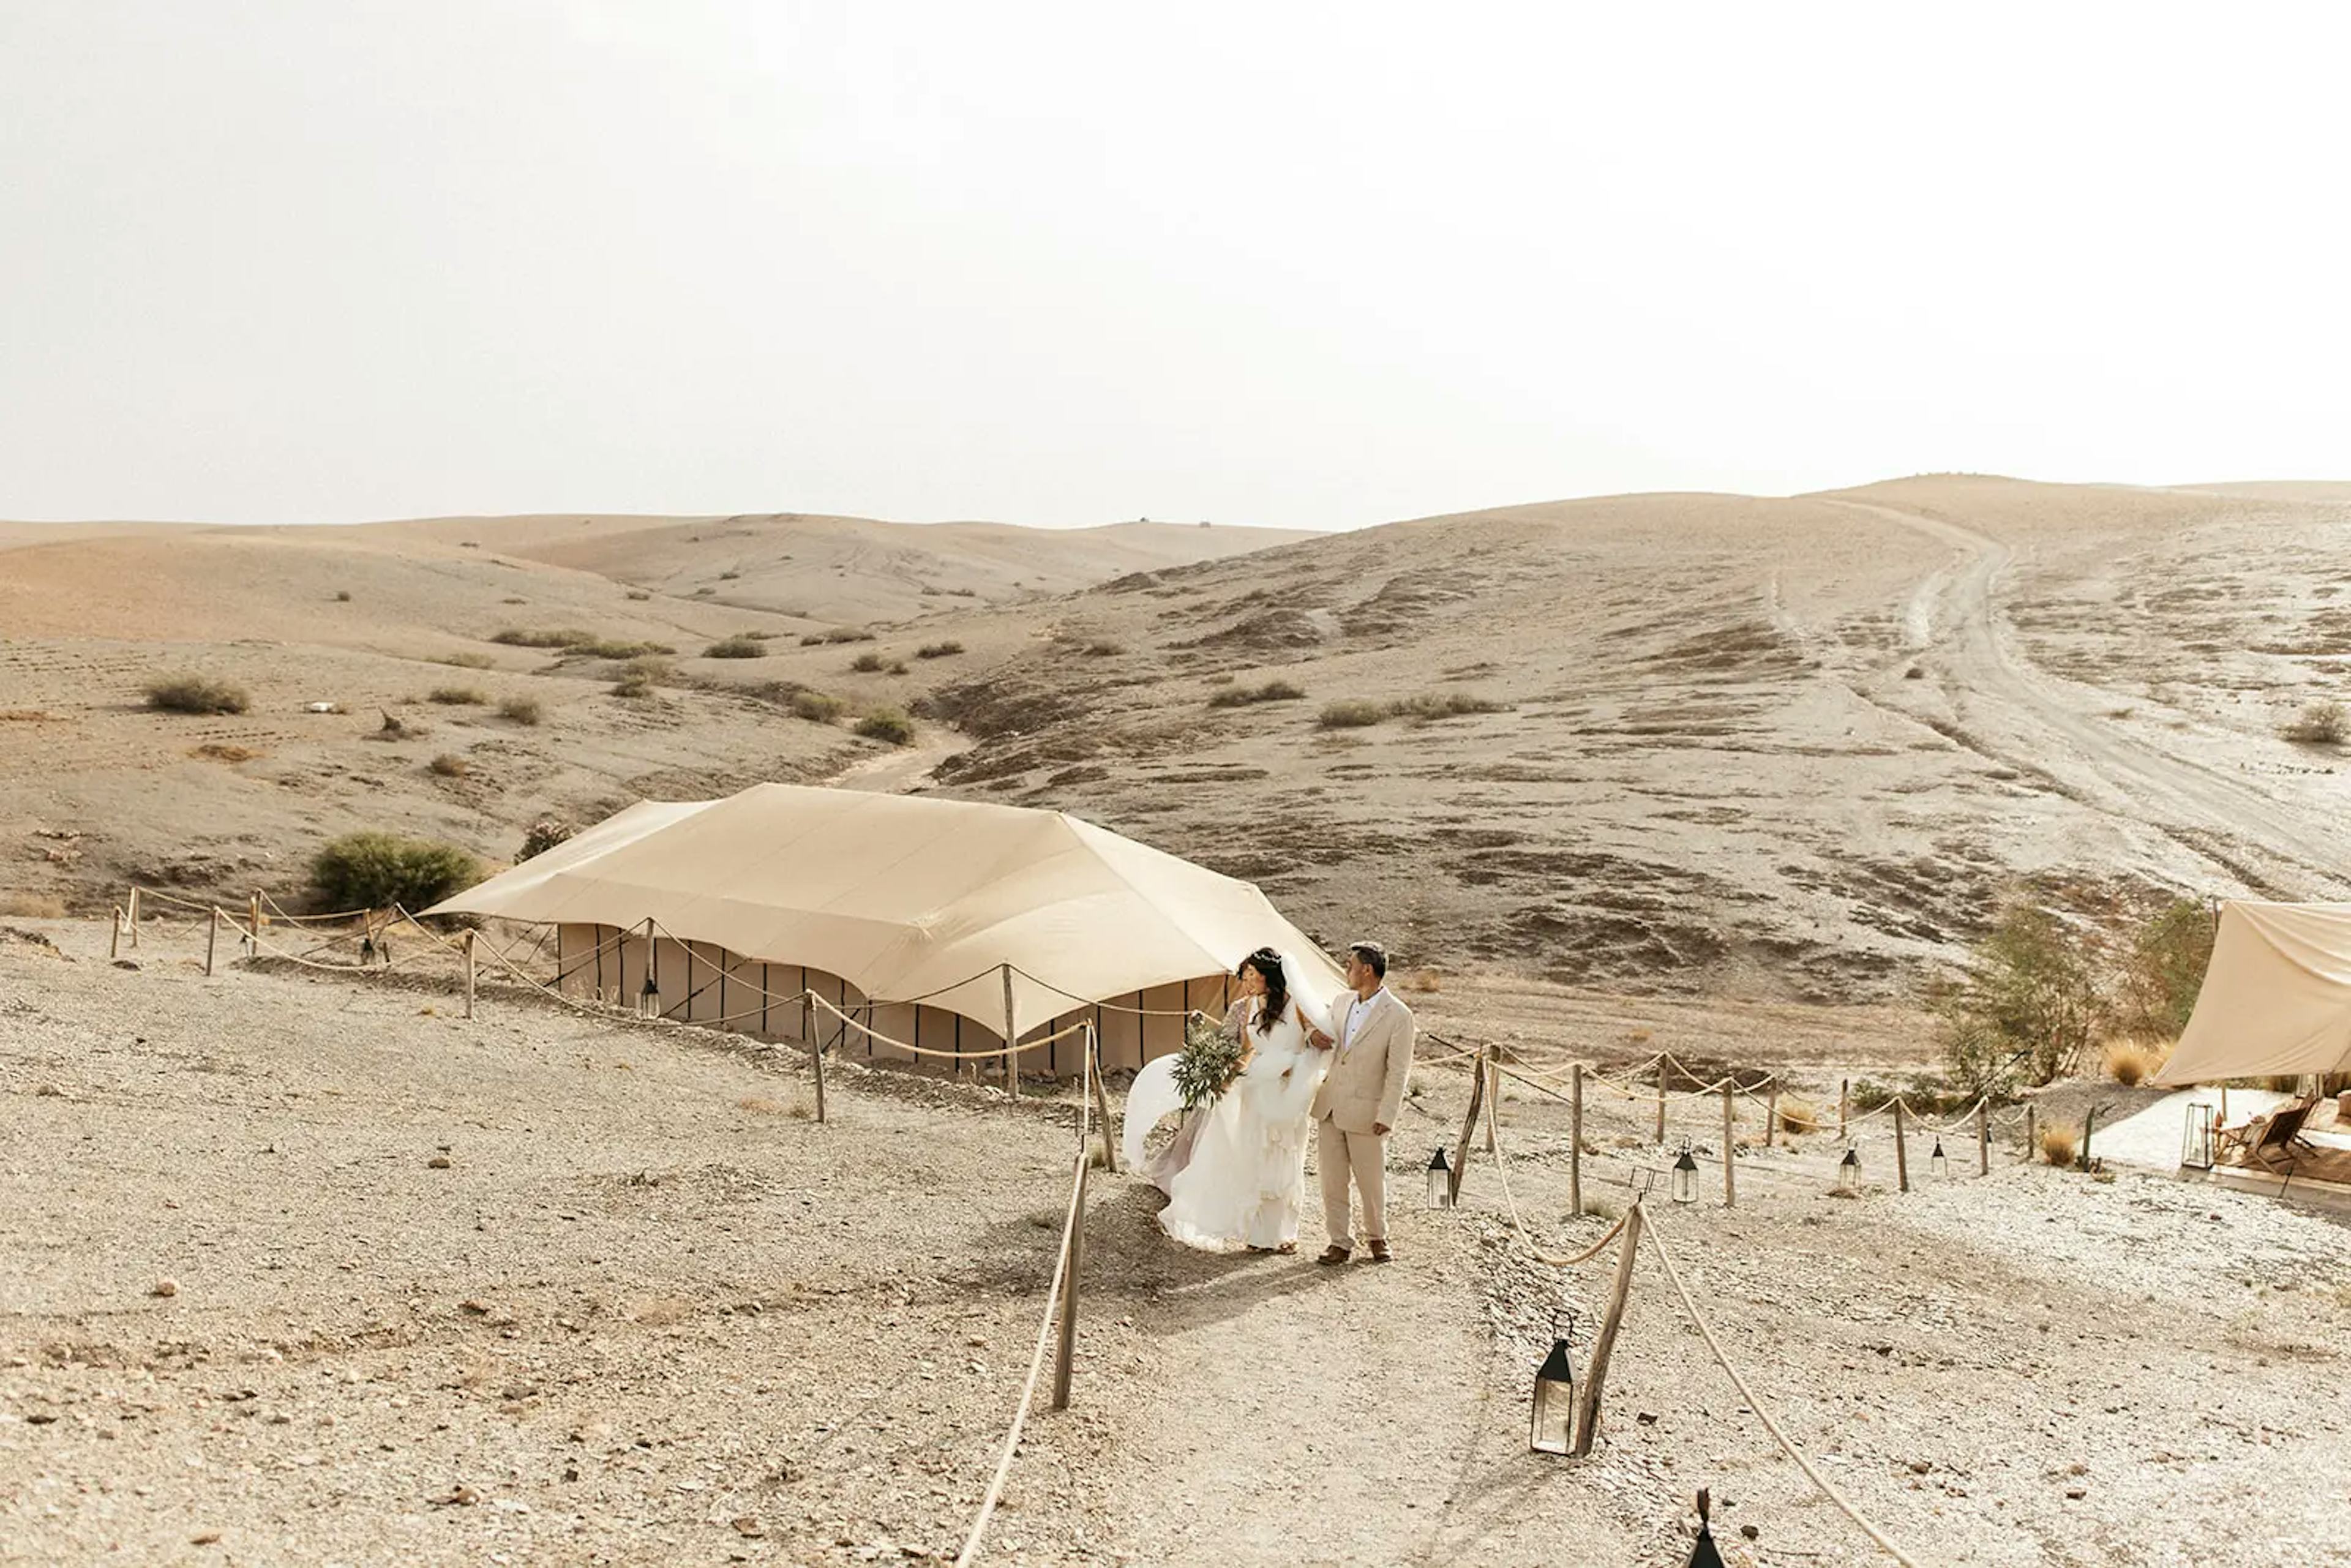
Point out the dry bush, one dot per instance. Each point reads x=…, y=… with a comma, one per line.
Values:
x=739, y=646
x=1353, y=713
x=1638, y=1036
x=887, y=724
x=224, y=751
x=32, y=907
x=29, y=715
x=343, y=596
x=2131, y=1062
x=375, y=870
x=761, y=1105
x=897, y=666
x=449, y=764
x=1245, y=696
x=458, y=696
x=662, y=1312
x=542, y=836
x=640, y=675
x=522, y=710
x=836, y=634
x=468, y=661
x=817, y=707
x=639, y=593
x=1799, y=1115
x=946, y=650
x=553, y=637
x=2320, y=724
x=1105, y=650
x=866, y=664
x=1425, y=981
x=1426, y=706
x=730, y=575
x=576, y=643
x=196, y=694
x=2058, y=1141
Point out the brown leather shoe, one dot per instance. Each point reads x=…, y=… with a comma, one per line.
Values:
x=1333, y=1254
x=1380, y=1253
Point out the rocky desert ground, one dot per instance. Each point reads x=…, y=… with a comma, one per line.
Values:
x=1724, y=776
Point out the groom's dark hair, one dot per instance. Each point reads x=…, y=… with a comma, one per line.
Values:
x=1375, y=956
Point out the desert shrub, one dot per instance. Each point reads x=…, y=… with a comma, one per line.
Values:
x=1245, y=696
x=224, y=751
x=555, y=637
x=1425, y=706
x=730, y=575
x=866, y=664
x=2058, y=1141
x=836, y=634
x=468, y=661
x=1351, y=713
x=897, y=666
x=2320, y=724
x=2165, y=969
x=887, y=724
x=196, y=694
x=522, y=710
x=572, y=641
x=1976, y=1055
x=372, y=870
x=449, y=764
x=1105, y=650
x=543, y=835
x=1799, y=1115
x=601, y=648
x=459, y=696
x=639, y=593
x=736, y=647
x=2131, y=1062
x=946, y=650
x=2033, y=987
x=816, y=706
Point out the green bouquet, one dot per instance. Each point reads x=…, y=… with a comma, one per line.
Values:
x=1210, y=1061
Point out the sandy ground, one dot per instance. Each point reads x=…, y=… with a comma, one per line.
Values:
x=646, y=1299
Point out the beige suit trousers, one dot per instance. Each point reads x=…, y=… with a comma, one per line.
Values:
x=1338, y=1155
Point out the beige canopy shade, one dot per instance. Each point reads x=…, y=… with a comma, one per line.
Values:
x=909, y=898
x=2276, y=997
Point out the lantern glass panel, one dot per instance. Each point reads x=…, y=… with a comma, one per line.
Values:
x=1685, y=1179
x=1551, y=1427
x=2195, y=1150
x=1440, y=1181
x=1938, y=1165
x=1849, y=1172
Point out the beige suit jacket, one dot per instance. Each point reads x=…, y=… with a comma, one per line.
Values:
x=1364, y=1085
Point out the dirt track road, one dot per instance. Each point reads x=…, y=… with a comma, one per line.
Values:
x=1981, y=690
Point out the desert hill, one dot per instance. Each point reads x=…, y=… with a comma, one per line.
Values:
x=1789, y=746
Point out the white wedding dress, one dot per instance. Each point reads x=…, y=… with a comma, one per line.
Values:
x=1247, y=1167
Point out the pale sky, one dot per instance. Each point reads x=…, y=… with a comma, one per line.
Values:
x=1298, y=265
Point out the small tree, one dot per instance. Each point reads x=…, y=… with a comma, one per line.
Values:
x=543, y=836
x=2165, y=969
x=374, y=871
x=2032, y=998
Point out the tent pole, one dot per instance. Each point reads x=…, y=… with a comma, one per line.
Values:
x=1011, y=1039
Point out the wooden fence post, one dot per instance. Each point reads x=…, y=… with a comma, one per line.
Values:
x=1011, y=1039
x=1845, y=1098
x=114, y=943
x=1587, y=1399
x=1772, y=1114
x=253, y=923
x=1493, y=1097
x=2031, y=1142
x=1101, y=1099
x=815, y=1050
x=1661, y=1100
x=1983, y=1138
x=212, y=939
x=1575, y=1139
x=1901, y=1149
x=2089, y=1124
x=1729, y=1150
x=469, y=972
x=1469, y=1125
x=1073, y=1257
x=134, y=942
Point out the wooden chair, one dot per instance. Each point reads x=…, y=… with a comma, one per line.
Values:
x=2265, y=1139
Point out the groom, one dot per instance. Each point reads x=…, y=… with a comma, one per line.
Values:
x=1359, y=1099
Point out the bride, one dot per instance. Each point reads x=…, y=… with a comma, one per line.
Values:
x=1240, y=1186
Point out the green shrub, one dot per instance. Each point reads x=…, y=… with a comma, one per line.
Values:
x=2165, y=969
x=522, y=710
x=1353, y=713
x=938, y=649
x=887, y=724
x=817, y=707
x=866, y=664
x=459, y=696
x=543, y=836
x=1244, y=696
x=736, y=647
x=2033, y=992
x=374, y=871
x=196, y=694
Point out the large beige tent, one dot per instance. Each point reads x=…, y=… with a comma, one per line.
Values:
x=2276, y=997
x=927, y=920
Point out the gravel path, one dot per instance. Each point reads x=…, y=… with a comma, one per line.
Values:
x=648, y=1313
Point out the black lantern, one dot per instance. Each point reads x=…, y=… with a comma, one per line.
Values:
x=2196, y=1142
x=1685, y=1175
x=649, y=998
x=1703, y=1553
x=1938, y=1165
x=1553, y=1427
x=1849, y=1173
x=1440, y=1181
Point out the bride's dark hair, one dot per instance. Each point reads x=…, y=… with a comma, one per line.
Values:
x=1267, y=964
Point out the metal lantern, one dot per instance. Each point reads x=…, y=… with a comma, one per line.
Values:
x=1703, y=1552
x=649, y=998
x=1938, y=1165
x=1553, y=1427
x=2195, y=1150
x=1440, y=1180
x=1849, y=1172
x=1685, y=1175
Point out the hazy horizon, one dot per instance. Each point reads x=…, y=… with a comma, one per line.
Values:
x=1060, y=266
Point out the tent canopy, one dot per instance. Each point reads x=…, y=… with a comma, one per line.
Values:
x=2276, y=997
x=910, y=898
